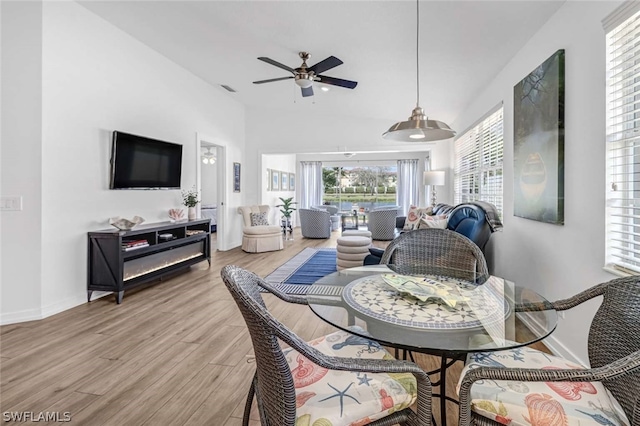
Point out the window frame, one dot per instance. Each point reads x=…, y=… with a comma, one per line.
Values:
x=479, y=155
x=622, y=211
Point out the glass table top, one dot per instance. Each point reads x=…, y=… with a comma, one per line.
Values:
x=432, y=309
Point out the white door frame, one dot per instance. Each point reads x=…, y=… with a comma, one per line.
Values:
x=222, y=202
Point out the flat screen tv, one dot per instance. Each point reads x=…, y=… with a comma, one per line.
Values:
x=143, y=163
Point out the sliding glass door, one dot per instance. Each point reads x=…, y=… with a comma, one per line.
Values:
x=359, y=187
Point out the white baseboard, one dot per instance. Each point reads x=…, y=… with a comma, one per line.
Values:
x=20, y=316
x=47, y=311
x=561, y=350
x=551, y=342
x=231, y=245
x=63, y=305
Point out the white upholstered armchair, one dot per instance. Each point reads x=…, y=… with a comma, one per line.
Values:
x=258, y=235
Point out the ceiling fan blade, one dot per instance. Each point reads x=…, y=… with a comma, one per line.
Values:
x=327, y=64
x=307, y=91
x=348, y=84
x=272, y=79
x=277, y=64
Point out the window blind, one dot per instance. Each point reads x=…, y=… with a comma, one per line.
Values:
x=623, y=144
x=478, y=162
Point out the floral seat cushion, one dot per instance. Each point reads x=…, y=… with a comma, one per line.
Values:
x=331, y=398
x=539, y=403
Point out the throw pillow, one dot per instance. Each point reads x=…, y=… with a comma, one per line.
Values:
x=427, y=221
x=412, y=220
x=259, y=219
x=413, y=217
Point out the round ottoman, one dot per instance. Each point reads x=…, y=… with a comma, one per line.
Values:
x=356, y=232
x=351, y=251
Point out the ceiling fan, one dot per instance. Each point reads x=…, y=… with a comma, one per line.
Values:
x=305, y=75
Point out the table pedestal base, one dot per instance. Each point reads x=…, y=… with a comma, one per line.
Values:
x=445, y=363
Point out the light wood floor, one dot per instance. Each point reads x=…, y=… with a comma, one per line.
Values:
x=173, y=353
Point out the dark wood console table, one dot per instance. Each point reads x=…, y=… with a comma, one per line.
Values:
x=120, y=260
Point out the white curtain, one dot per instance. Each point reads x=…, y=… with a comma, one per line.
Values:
x=310, y=184
x=407, y=185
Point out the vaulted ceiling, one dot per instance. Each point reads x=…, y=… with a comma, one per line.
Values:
x=463, y=44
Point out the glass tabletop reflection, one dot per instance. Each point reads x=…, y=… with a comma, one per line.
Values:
x=432, y=309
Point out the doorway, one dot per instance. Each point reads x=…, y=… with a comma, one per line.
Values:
x=210, y=175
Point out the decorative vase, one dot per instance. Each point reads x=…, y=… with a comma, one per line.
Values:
x=191, y=213
x=287, y=229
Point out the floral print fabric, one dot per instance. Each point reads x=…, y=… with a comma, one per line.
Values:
x=539, y=403
x=331, y=398
x=259, y=219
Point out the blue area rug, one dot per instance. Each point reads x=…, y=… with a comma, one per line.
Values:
x=302, y=270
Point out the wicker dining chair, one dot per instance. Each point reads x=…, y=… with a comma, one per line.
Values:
x=436, y=248
x=497, y=387
x=307, y=383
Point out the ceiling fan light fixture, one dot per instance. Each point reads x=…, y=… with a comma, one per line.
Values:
x=304, y=81
x=305, y=75
x=208, y=157
x=418, y=128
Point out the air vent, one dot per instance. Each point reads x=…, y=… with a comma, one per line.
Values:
x=228, y=88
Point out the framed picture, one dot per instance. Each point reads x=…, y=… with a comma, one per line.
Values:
x=292, y=181
x=268, y=179
x=538, y=138
x=275, y=180
x=236, y=177
x=284, y=177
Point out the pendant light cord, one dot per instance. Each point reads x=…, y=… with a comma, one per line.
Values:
x=418, y=52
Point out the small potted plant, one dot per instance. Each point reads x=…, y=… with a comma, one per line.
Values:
x=286, y=208
x=190, y=200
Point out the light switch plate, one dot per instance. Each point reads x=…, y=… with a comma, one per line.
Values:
x=11, y=203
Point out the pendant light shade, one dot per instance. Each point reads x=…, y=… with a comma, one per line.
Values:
x=418, y=128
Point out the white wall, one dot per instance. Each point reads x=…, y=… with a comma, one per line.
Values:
x=559, y=261
x=95, y=79
x=21, y=159
x=284, y=163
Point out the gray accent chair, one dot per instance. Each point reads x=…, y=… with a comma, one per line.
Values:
x=614, y=353
x=315, y=223
x=335, y=217
x=382, y=223
x=273, y=383
x=438, y=248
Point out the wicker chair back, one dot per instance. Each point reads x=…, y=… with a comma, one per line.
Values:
x=438, y=248
x=614, y=334
x=274, y=385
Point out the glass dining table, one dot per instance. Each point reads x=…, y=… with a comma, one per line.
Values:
x=439, y=311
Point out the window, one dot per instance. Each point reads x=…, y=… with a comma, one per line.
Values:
x=367, y=187
x=623, y=140
x=478, y=162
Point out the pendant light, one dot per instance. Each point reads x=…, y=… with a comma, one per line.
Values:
x=418, y=128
